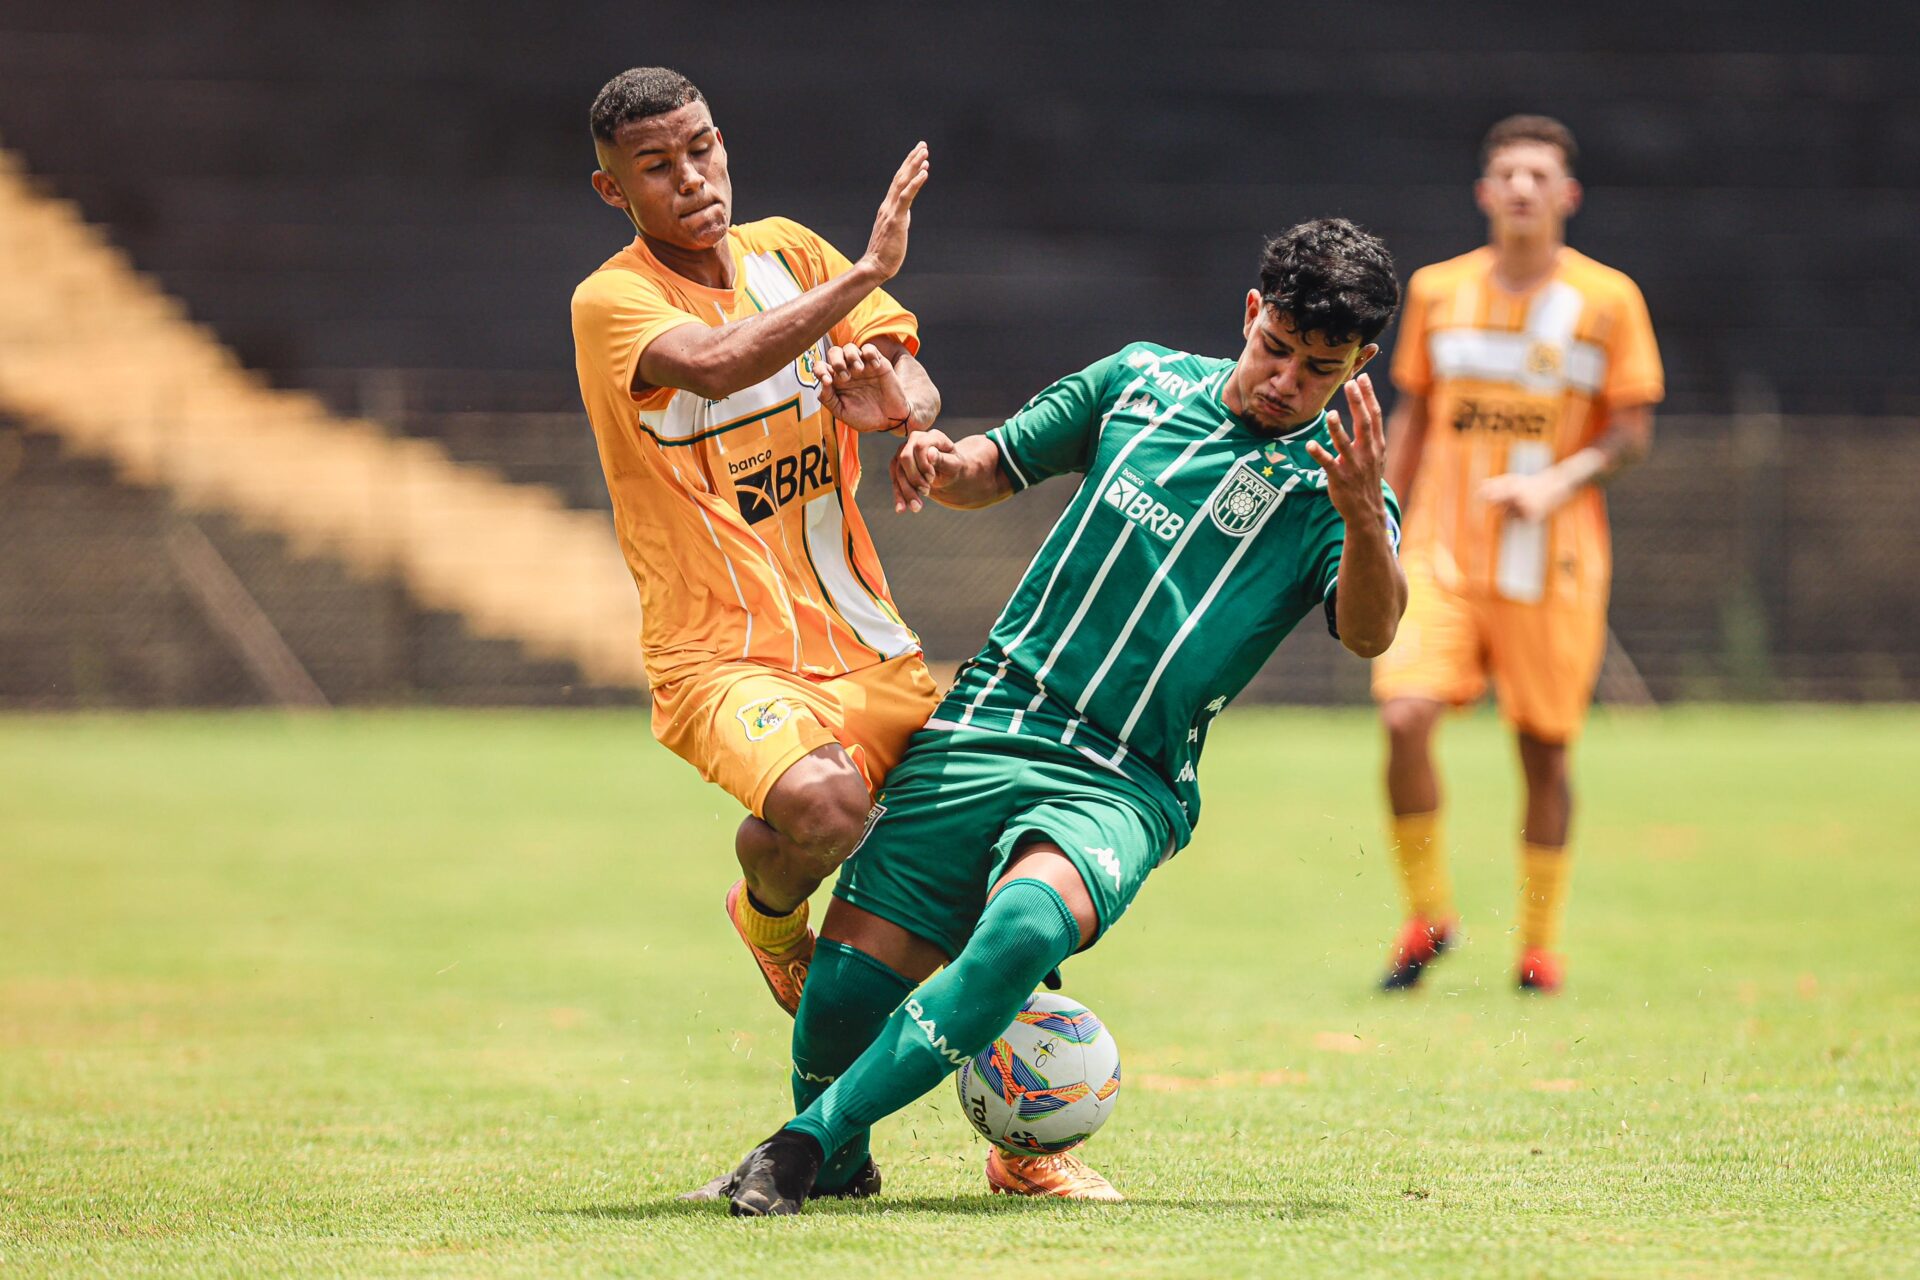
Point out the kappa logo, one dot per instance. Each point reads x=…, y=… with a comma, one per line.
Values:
x=763, y=491
x=877, y=812
x=1108, y=863
x=934, y=1038
x=763, y=718
x=1128, y=495
x=1186, y=773
x=1240, y=506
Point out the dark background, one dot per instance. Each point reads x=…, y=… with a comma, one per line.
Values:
x=389, y=204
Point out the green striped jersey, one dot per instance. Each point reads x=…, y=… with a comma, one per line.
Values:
x=1194, y=545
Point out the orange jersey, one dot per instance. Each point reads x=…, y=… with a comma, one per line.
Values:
x=737, y=515
x=1516, y=382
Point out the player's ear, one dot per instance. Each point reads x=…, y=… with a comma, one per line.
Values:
x=1253, y=313
x=1574, y=194
x=608, y=189
x=1483, y=196
x=1362, y=357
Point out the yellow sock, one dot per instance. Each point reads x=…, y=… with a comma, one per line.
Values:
x=773, y=933
x=1543, y=894
x=1422, y=856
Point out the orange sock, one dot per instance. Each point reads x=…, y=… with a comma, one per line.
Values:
x=772, y=933
x=1422, y=858
x=1544, y=871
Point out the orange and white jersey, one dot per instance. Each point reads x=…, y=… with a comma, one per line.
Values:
x=1514, y=383
x=737, y=515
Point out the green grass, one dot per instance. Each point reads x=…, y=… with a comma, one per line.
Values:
x=450, y=994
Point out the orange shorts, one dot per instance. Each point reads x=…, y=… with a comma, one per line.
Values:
x=742, y=725
x=1544, y=658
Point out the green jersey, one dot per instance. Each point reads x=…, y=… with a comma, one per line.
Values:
x=1194, y=545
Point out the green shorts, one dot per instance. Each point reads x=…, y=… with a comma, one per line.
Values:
x=950, y=820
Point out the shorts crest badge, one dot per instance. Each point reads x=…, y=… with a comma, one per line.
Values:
x=1241, y=504
x=762, y=718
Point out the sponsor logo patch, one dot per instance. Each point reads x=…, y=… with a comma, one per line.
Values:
x=763, y=490
x=763, y=718
x=1239, y=506
x=1127, y=493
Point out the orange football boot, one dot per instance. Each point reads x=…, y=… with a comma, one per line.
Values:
x=785, y=971
x=1541, y=971
x=1421, y=942
x=1062, y=1174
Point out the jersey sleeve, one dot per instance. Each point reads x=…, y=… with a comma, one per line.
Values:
x=1412, y=370
x=877, y=315
x=1054, y=432
x=1327, y=542
x=616, y=315
x=1634, y=375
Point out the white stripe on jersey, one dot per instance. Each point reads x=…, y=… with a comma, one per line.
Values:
x=1160, y=575
x=1000, y=671
x=827, y=543
x=1186, y=628
x=1006, y=456
x=1154, y=423
x=732, y=577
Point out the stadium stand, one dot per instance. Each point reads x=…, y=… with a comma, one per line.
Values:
x=92, y=351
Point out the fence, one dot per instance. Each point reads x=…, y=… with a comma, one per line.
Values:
x=1756, y=557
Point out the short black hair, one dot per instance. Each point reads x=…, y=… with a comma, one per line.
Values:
x=1332, y=278
x=1530, y=129
x=637, y=93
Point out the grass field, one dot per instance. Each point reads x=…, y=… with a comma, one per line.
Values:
x=450, y=994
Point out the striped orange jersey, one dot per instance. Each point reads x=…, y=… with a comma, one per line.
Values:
x=1514, y=383
x=737, y=515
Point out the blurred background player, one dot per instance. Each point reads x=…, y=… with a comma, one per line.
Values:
x=1527, y=375
x=722, y=367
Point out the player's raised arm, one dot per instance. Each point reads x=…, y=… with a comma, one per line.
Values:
x=1372, y=592
x=718, y=361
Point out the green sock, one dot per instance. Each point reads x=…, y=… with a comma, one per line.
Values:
x=1024, y=932
x=842, y=1008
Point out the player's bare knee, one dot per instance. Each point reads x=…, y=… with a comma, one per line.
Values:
x=828, y=821
x=1409, y=722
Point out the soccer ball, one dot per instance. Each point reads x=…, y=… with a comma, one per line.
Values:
x=1046, y=1082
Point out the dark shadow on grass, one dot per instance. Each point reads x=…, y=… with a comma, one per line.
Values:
x=971, y=1205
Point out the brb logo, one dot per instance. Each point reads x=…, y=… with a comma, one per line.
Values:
x=764, y=483
x=1128, y=494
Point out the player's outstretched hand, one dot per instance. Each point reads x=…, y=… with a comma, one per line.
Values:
x=887, y=248
x=1359, y=462
x=858, y=385
x=918, y=468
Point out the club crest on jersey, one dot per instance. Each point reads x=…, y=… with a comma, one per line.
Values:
x=1544, y=360
x=764, y=717
x=1239, y=506
x=807, y=367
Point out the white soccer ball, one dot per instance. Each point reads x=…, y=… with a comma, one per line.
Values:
x=1046, y=1082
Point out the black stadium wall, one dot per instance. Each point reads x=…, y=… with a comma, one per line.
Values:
x=388, y=203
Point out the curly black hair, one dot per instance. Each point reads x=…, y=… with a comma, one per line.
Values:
x=638, y=93
x=1331, y=278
